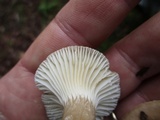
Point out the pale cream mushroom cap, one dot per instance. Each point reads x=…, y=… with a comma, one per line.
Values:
x=145, y=111
x=77, y=79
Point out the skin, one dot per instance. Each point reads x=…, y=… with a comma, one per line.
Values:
x=88, y=22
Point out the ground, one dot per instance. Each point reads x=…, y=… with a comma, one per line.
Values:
x=20, y=23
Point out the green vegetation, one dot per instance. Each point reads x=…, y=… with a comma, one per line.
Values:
x=48, y=9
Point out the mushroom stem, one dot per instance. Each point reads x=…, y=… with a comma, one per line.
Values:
x=79, y=109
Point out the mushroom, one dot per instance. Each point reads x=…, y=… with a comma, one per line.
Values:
x=77, y=84
x=145, y=111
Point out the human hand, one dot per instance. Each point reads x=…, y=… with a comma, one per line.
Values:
x=87, y=22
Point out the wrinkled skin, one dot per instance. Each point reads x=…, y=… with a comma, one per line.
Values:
x=88, y=22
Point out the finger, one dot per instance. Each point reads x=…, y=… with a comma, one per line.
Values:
x=80, y=22
x=90, y=18
x=147, y=92
x=136, y=57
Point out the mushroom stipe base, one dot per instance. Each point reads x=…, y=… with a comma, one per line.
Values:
x=79, y=109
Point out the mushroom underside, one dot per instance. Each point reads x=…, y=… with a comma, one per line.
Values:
x=77, y=73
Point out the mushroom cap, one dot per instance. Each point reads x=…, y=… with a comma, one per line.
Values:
x=74, y=72
x=145, y=111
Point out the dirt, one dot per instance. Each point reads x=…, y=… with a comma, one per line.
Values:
x=20, y=23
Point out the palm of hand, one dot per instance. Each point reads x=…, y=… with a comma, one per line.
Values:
x=22, y=98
